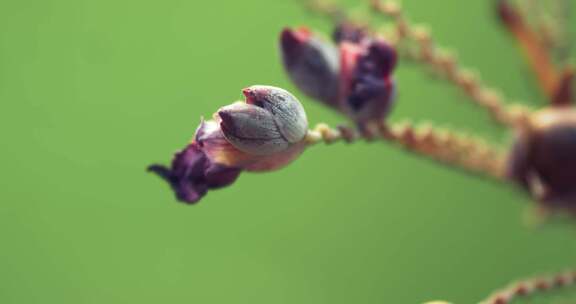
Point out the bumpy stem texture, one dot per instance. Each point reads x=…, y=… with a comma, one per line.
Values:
x=530, y=287
x=455, y=150
x=447, y=65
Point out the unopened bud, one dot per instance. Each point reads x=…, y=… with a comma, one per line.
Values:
x=355, y=78
x=312, y=64
x=266, y=133
x=367, y=87
x=269, y=122
x=544, y=152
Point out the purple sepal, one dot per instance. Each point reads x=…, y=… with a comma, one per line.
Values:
x=355, y=77
x=371, y=89
x=371, y=98
x=380, y=59
x=192, y=174
x=219, y=176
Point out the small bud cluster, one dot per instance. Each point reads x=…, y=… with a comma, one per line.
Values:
x=352, y=75
x=445, y=64
x=542, y=159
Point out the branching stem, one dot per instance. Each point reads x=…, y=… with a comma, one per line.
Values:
x=447, y=65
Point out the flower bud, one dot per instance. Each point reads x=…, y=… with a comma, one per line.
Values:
x=543, y=158
x=367, y=89
x=192, y=174
x=312, y=64
x=269, y=122
x=266, y=133
x=364, y=89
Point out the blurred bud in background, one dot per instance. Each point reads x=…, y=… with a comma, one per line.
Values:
x=354, y=77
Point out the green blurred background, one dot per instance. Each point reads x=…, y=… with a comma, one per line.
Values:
x=92, y=91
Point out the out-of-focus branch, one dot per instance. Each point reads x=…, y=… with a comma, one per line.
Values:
x=530, y=287
x=534, y=46
x=464, y=152
x=447, y=65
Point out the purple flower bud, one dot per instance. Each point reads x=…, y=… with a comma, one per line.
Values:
x=269, y=122
x=544, y=154
x=367, y=90
x=264, y=134
x=311, y=63
x=364, y=89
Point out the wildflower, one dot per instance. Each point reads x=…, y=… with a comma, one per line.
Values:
x=192, y=174
x=354, y=77
x=264, y=133
x=366, y=87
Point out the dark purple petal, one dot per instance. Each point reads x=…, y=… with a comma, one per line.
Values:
x=189, y=163
x=188, y=192
x=371, y=98
x=380, y=59
x=218, y=176
x=192, y=174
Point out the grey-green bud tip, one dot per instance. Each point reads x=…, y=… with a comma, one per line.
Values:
x=270, y=121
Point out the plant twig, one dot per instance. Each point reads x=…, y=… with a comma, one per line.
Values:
x=530, y=287
x=447, y=147
x=531, y=43
x=447, y=65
